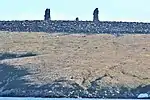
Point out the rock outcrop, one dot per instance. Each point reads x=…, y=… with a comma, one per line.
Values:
x=95, y=15
x=47, y=15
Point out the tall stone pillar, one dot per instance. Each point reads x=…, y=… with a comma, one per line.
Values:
x=95, y=15
x=47, y=15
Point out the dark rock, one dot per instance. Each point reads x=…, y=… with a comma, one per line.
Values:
x=15, y=55
x=77, y=19
x=95, y=15
x=47, y=15
x=87, y=27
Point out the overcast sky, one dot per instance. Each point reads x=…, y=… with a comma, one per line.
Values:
x=109, y=10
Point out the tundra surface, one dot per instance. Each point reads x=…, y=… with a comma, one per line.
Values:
x=81, y=59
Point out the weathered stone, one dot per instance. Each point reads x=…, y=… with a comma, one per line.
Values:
x=95, y=15
x=77, y=19
x=47, y=15
x=75, y=27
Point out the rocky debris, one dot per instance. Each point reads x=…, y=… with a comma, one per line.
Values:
x=47, y=15
x=15, y=85
x=75, y=27
x=95, y=15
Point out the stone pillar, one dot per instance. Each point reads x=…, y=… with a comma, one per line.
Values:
x=47, y=15
x=77, y=19
x=95, y=15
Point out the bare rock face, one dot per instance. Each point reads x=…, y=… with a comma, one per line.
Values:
x=47, y=14
x=95, y=15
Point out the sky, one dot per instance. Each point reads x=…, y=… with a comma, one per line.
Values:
x=109, y=10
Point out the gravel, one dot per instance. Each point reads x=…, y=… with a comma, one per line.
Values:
x=75, y=26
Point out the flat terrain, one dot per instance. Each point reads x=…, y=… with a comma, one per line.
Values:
x=80, y=58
